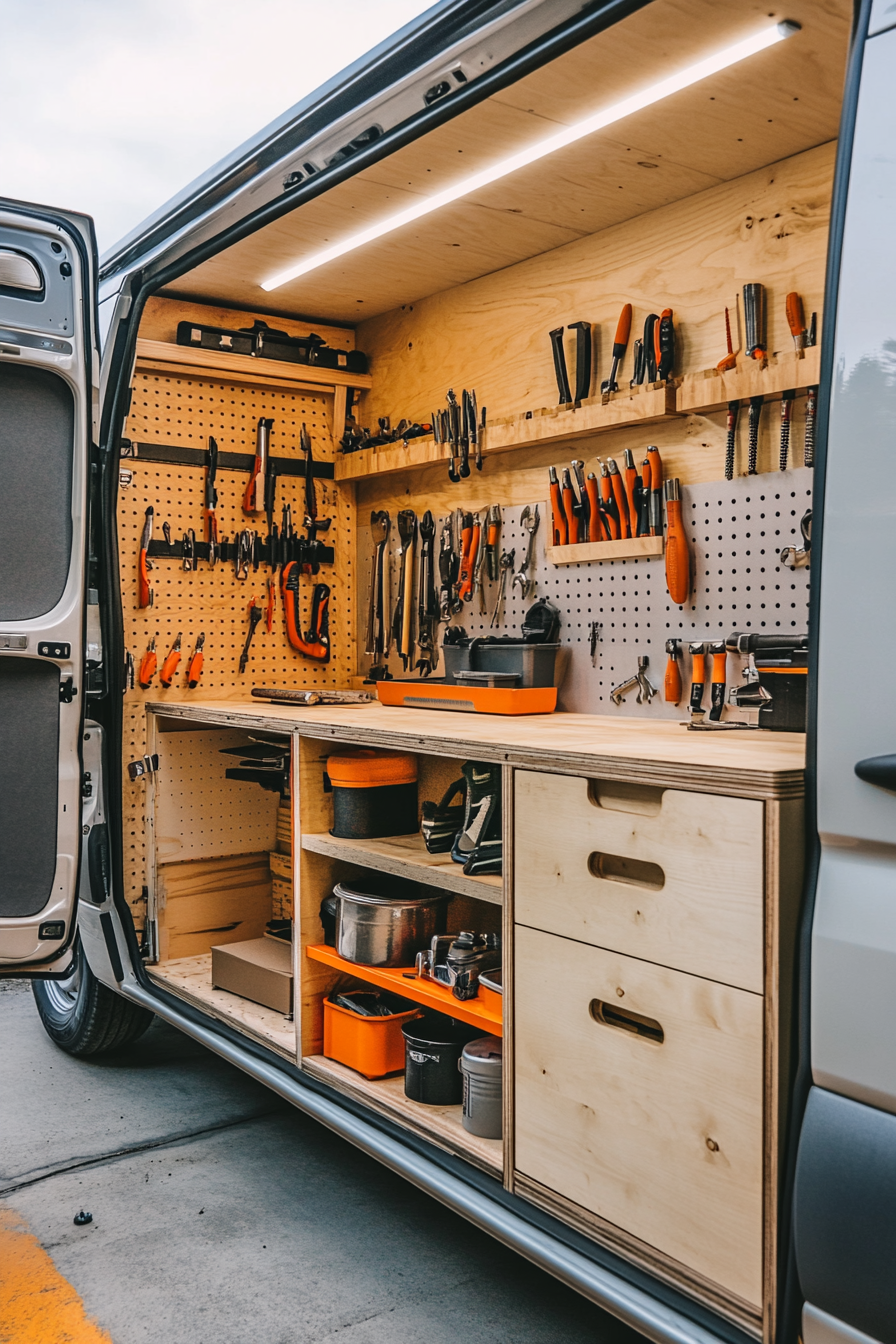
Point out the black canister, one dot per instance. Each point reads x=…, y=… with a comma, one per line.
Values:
x=432, y=1048
x=374, y=793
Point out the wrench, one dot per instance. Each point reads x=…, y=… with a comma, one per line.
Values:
x=529, y=522
x=505, y=566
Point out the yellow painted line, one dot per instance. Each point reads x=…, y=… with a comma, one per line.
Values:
x=37, y=1305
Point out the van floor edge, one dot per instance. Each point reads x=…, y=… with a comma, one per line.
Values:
x=442, y=1125
x=190, y=978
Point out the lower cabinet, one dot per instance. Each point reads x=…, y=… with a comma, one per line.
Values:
x=639, y=1099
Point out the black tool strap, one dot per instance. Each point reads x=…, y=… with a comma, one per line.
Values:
x=160, y=550
x=198, y=457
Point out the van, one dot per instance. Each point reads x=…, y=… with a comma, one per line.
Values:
x=427, y=622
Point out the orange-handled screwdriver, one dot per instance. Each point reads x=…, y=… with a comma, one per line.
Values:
x=796, y=321
x=678, y=560
x=194, y=668
x=169, y=667
x=620, y=344
x=558, y=518
x=148, y=664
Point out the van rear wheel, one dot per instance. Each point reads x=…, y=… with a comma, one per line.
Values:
x=83, y=1016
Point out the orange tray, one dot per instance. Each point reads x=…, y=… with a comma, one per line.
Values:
x=429, y=993
x=422, y=694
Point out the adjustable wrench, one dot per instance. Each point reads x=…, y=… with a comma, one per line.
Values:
x=529, y=523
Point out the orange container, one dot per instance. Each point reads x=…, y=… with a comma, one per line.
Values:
x=424, y=694
x=374, y=1046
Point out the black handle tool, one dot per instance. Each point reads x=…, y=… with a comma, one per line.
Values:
x=560, y=366
x=583, y=358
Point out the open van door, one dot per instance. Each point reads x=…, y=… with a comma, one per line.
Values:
x=48, y=403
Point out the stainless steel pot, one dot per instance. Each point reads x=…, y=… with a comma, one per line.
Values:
x=386, y=922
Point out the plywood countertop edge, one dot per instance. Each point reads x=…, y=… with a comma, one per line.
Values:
x=742, y=778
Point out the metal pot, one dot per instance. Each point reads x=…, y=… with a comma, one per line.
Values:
x=386, y=922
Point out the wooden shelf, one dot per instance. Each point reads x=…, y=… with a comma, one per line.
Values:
x=583, y=552
x=425, y=992
x=546, y=426
x=440, y=1124
x=163, y=357
x=406, y=856
x=190, y=978
x=711, y=390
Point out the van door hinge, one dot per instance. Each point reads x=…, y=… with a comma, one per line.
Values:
x=144, y=767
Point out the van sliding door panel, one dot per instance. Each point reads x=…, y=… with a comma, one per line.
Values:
x=37, y=416
x=29, y=769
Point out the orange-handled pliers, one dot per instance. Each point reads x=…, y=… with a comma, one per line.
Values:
x=194, y=668
x=560, y=534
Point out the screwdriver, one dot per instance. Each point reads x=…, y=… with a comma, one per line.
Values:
x=678, y=561
x=194, y=668
x=148, y=665
x=794, y=307
x=169, y=667
x=620, y=344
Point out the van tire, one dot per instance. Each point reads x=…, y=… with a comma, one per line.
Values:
x=83, y=1016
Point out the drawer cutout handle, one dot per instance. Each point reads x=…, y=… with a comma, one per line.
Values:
x=645, y=800
x=611, y=1015
x=631, y=872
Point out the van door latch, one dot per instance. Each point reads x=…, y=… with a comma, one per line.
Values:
x=143, y=768
x=67, y=690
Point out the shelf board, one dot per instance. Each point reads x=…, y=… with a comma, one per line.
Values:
x=425, y=992
x=190, y=978
x=583, y=552
x=164, y=357
x=711, y=390
x=547, y=426
x=406, y=856
x=442, y=1125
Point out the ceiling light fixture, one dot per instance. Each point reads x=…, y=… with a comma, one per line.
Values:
x=646, y=97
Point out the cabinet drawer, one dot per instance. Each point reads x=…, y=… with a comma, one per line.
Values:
x=659, y=874
x=659, y=1133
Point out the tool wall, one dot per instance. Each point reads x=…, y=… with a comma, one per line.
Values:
x=183, y=412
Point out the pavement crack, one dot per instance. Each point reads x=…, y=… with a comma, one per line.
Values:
x=166, y=1141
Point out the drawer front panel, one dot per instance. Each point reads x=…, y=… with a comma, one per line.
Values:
x=661, y=1137
x=675, y=878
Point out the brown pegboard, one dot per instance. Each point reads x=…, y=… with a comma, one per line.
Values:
x=185, y=411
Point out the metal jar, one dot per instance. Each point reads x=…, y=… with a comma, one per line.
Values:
x=386, y=923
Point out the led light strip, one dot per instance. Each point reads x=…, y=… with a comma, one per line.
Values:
x=653, y=93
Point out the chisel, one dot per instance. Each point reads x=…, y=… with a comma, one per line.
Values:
x=794, y=308
x=809, y=440
x=678, y=560
x=620, y=344
x=753, y=440
x=754, y=320
x=733, y=408
x=786, y=412
x=717, y=680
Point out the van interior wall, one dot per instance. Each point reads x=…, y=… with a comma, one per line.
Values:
x=183, y=408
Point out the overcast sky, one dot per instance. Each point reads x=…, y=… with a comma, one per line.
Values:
x=111, y=106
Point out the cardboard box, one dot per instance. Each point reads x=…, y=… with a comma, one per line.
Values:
x=260, y=970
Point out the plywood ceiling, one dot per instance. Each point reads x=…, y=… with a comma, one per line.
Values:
x=768, y=107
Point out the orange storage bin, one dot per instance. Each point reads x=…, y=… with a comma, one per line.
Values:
x=374, y=1046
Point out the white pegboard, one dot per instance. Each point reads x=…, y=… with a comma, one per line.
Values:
x=736, y=530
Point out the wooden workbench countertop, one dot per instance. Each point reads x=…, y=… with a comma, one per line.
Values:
x=747, y=764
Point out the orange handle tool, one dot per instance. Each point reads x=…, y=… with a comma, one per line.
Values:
x=796, y=321
x=144, y=592
x=698, y=680
x=630, y=477
x=730, y=359
x=618, y=486
x=169, y=667
x=594, y=516
x=468, y=567
x=558, y=516
x=678, y=560
x=148, y=664
x=717, y=680
x=672, y=682
x=194, y=669
x=465, y=574
x=656, y=491
x=572, y=522
x=620, y=344
x=610, y=513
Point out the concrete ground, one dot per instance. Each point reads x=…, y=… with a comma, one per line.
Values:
x=221, y=1215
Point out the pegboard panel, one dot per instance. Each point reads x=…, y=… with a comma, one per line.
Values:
x=736, y=530
x=183, y=410
x=199, y=813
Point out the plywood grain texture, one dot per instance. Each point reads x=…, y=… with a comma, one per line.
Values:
x=685, y=887
x=190, y=978
x=663, y=1140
